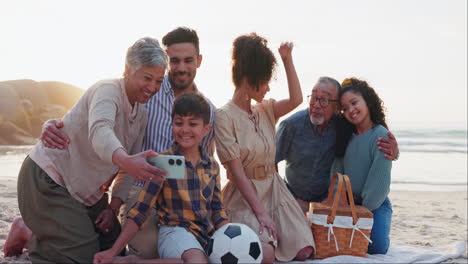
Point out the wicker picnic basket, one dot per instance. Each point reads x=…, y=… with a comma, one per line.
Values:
x=340, y=229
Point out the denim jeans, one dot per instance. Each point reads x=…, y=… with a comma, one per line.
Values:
x=380, y=234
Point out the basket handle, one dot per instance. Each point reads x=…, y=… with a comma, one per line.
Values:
x=332, y=185
x=336, y=198
x=341, y=191
x=350, y=197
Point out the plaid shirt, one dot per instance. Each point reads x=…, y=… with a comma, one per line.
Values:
x=158, y=135
x=193, y=203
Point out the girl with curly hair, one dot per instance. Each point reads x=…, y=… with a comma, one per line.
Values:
x=358, y=157
x=255, y=194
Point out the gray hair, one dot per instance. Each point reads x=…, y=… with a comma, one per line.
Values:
x=145, y=52
x=329, y=80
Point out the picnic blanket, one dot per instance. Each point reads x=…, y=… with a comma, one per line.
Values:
x=403, y=253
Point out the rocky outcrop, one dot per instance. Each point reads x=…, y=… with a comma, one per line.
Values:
x=26, y=104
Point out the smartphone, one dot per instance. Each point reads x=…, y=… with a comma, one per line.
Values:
x=174, y=165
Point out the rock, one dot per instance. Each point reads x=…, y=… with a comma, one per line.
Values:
x=11, y=134
x=46, y=112
x=26, y=104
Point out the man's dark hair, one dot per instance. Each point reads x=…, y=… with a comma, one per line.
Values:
x=192, y=104
x=182, y=35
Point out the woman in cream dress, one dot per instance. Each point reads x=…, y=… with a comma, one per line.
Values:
x=255, y=194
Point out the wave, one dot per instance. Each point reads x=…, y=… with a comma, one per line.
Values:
x=12, y=149
x=433, y=140
x=447, y=133
x=403, y=149
x=430, y=183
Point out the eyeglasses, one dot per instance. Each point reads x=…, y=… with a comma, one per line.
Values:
x=323, y=101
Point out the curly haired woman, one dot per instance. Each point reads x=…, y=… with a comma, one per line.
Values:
x=245, y=142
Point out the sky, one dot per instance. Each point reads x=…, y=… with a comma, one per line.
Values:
x=414, y=53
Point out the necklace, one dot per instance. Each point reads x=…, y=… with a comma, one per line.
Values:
x=254, y=119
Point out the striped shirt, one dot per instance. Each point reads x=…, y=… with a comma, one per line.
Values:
x=193, y=203
x=158, y=135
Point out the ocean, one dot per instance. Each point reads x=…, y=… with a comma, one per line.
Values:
x=432, y=159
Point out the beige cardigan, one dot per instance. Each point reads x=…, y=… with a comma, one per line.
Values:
x=101, y=122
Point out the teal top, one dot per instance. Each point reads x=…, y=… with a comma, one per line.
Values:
x=366, y=167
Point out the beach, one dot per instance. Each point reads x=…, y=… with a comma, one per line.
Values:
x=412, y=53
x=420, y=218
x=428, y=192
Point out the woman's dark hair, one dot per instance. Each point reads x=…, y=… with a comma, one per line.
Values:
x=192, y=104
x=251, y=58
x=374, y=104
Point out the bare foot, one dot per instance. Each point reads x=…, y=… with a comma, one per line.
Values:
x=127, y=259
x=17, y=238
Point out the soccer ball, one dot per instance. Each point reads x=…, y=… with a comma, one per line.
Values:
x=234, y=243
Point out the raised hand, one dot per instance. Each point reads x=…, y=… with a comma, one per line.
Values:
x=284, y=106
x=285, y=50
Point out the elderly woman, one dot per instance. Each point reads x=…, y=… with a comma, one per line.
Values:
x=61, y=192
x=245, y=141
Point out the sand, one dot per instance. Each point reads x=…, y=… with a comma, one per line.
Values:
x=420, y=218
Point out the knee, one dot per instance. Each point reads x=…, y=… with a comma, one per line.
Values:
x=200, y=260
x=379, y=246
x=194, y=256
x=268, y=258
x=268, y=253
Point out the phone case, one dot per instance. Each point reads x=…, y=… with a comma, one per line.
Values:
x=174, y=165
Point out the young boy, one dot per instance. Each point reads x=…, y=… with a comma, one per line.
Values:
x=189, y=209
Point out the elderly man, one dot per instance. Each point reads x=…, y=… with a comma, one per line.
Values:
x=306, y=141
